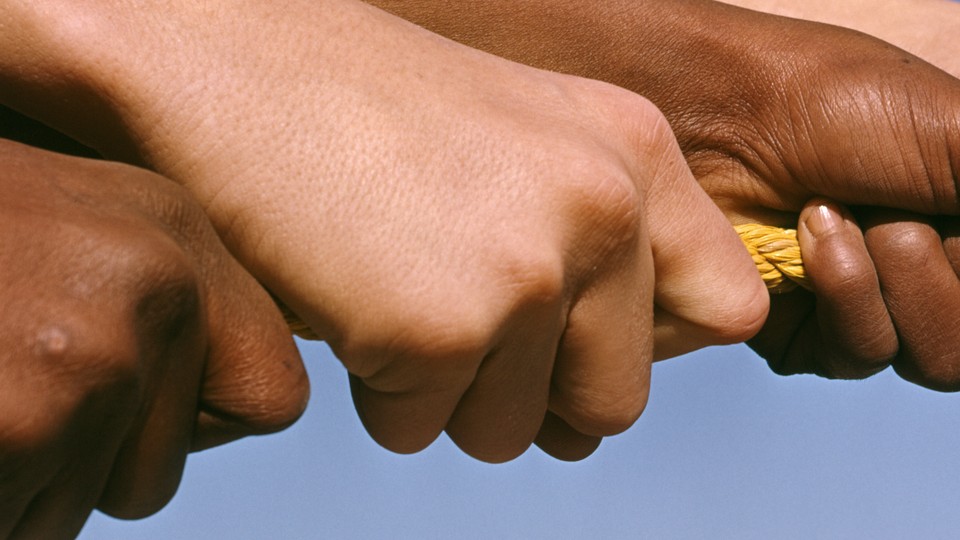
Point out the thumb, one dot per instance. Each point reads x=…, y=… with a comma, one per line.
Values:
x=254, y=382
x=708, y=290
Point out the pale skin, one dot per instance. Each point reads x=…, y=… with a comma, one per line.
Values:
x=130, y=337
x=483, y=244
x=773, y=113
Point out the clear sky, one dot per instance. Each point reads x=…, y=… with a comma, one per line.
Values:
x=725, y=449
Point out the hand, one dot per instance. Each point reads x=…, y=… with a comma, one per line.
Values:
x=903, y=269
x=129, y=337
x=477, y=240
x=825, y=132
x=770, y=113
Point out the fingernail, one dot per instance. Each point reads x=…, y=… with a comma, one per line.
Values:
x=823, y=220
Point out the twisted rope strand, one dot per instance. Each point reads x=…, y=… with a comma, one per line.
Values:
x=775, y=251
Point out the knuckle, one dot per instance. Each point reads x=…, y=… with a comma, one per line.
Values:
x=907, y=241
x=156, y=281
x=441, y=339
x=851, y=272
x=610, y=202
x=532, y=279
x=143, y=267
x=170, y=303
x=78, y=368
x=651, y=130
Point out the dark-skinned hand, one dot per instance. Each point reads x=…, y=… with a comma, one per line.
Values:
x=128, y=337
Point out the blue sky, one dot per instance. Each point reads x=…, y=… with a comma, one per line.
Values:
x=726, y=449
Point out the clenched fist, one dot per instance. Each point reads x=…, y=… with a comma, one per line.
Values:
x=128, y=337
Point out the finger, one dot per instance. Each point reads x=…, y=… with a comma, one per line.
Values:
x=254, y=381
x=406, y=406
x=62, y=508
x=500, y=414
x=854, y=336
x=54, y=500
x=172, y=343
x=707, y=286
x=788, y=339
x=21, y=479
x=561, y=441
x=922, y=294
x=54, y=515
x=602, y=374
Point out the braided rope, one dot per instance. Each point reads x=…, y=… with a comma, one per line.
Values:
x=775, y=251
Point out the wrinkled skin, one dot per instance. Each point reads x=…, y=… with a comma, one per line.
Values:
x=129, y=338
x=772, y=113
x=480, y=242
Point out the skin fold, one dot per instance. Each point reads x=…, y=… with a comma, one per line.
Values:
x=131, y=337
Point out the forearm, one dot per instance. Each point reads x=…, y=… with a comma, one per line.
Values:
x=926, y=28
x=122, y=75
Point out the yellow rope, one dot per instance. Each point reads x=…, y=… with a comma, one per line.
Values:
x=775, y=251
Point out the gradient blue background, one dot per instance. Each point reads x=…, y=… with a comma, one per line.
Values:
x=725, y=449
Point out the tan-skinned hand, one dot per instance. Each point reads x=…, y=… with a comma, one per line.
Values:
x=129, y=338
x=480, y=242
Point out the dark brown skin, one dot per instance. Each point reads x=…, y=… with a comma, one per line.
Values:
x=770, y=113
x=130, y=337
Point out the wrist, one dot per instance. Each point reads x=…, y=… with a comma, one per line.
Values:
x=51, y=68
